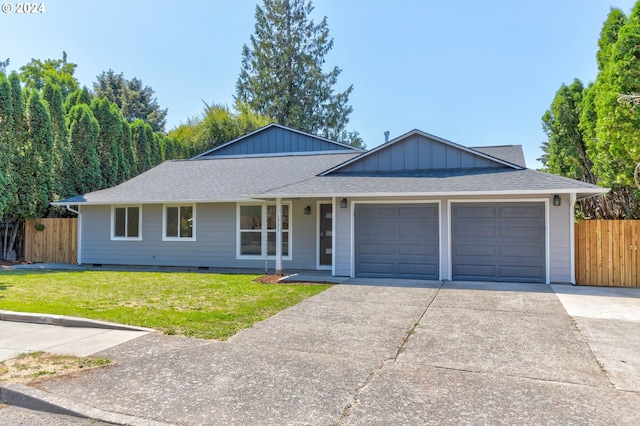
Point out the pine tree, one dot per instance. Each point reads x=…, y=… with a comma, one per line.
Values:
x=282, y=73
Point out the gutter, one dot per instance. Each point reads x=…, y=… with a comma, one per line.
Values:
x=79, y=244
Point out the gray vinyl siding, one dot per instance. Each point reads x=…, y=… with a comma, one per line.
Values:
x=275, y=140
x=418, y=152
x=343, y=239
x=215, y=244
x=560, y=224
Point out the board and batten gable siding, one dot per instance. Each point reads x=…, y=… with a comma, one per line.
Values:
x=417, y=152
x=275, y=140
x=214, y=247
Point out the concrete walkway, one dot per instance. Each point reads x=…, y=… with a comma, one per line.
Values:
x=391, y=353
x=25, y=332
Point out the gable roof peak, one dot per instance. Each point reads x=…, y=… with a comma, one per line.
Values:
x=228, y=147
x=419, y=150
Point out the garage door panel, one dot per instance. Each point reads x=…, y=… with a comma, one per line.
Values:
x=476, y=212
x=409, y=232
x=401, y=242
x=417, y=250
x=535, y=253
x=521, y=273
x=522, y=212
x=412, y=212
x=377, y=268
x=519, y=232
x=376, y=249
x=416, y=269
x=474, y=250
x=473, y=271
x=473, y=232
x=510, y=246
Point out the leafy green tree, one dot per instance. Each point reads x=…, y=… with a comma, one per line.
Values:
x=282, y=73
x=56, y=71
x=618, y=125
x=566, y=151
x=84, y=132
x=135, y=100
x=215, y=126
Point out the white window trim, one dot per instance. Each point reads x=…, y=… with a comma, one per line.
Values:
x=164, y=222
x=263, y=232
x=113, y=223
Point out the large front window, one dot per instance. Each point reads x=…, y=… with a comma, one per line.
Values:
x=258, y=221
x=125, y=223
x=179, y=223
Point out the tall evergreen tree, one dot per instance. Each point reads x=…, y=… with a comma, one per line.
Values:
x=135, y=100
x=142, y=145
x=6, y=146
x=39, y=147
x=282, y=74
x=52, y=94
x=109, y=146
x=84, y=132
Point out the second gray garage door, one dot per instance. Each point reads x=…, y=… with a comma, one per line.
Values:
x=397, y=240
x=498, y=241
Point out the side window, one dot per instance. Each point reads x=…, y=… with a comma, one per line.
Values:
x=179, y=223
x=125, y=223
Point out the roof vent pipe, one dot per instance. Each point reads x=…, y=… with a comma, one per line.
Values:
x=386, y=136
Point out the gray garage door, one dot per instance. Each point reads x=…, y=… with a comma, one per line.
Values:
x=397, y=240
x=498, y=242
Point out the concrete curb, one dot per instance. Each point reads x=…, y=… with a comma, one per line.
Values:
x=35, y=399
x=66, y=321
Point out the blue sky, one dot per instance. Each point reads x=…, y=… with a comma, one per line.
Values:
x=476, y=72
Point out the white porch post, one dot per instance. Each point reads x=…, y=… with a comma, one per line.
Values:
x=278, y=236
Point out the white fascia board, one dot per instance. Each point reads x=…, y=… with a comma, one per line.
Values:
x=429, y=194
x=128, y=202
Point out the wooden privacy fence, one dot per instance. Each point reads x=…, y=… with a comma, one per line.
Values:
x=51, y=240
x=607, y=253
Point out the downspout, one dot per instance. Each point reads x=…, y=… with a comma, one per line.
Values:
x=79, y=256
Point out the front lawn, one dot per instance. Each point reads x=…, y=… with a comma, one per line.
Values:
x=204, y=305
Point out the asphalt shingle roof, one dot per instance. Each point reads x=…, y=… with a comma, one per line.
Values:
x=441, y=182
x=511, y=153
x=236, y=179
x=229, y=179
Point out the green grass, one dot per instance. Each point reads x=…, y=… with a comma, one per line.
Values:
x=203, y=305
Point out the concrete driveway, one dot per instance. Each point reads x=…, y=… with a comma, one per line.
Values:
x=397, y=352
